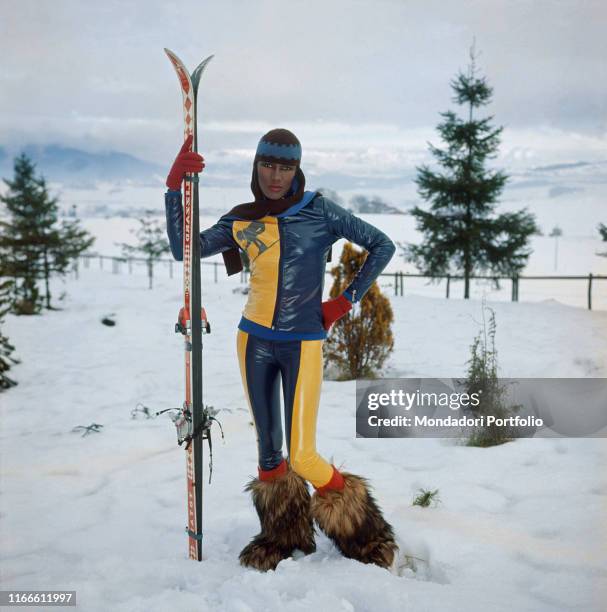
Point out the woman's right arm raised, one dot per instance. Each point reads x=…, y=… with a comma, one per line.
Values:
x=217, y=238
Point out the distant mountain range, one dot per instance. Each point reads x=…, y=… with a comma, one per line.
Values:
x=76, y=167
x=80, y=169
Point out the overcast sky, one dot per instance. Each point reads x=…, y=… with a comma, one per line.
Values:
x=362, y=81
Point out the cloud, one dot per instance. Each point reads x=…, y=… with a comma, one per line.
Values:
x=369, y=76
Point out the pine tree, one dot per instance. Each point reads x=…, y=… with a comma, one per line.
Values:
x=33, y=244
x=27, y=204
x=152, y=242
x=6, y=348
x=75, y=240
x=360, y=342
x=461, y=233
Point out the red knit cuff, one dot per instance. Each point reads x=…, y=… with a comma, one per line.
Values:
x=279, y=470
x=344, y=303
x=336, y=483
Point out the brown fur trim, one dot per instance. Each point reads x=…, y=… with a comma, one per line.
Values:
x=352, y=519
x=283, y=507
x=263, y=553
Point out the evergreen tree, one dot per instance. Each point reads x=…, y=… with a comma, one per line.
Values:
x=6, y=348
x=28, y=204
x=461, y=234
x=33, y=244
x=152, y=242
x=75, y=240
x=360, y=342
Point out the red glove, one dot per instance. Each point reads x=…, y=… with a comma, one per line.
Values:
x=186, y=161
x=334, y=309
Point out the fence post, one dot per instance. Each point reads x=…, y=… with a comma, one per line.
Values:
x=215, y=270
x=75, y=268
x=170, y=268
x=396, y=283
x=448, y=283
x=402, y=283
x=87, y=262
x=513, y=291
x=590, y=291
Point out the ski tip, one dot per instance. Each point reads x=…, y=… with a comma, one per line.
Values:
x=175, y=59
x=199, y=70
x=203, y=64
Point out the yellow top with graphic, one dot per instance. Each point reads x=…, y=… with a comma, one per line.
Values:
x=261, y=241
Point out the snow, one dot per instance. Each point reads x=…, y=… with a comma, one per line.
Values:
x=518, y=527
x=577, y=256
x=572, y=197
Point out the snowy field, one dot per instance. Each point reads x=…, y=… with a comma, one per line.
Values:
x=570, y=196
x=576, y=256
x=520, y=527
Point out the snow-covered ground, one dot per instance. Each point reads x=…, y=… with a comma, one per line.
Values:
x=576, y=255
x=521, y=527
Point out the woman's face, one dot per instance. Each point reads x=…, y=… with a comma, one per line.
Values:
x=274, y=179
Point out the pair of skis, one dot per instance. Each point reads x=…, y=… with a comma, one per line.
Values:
x=193, y=420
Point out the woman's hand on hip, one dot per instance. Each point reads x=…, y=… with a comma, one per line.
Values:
x=334, y=309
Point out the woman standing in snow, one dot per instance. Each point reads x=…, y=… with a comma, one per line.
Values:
x=287, y=234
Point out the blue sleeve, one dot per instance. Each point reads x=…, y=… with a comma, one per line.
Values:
x=174, y=214
x=216, y=239
x=343, y=224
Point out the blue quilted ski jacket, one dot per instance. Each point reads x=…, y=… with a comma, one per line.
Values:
x=287, y=254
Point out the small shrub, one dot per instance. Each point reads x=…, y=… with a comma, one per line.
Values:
x=359, y=343
x=482, y=379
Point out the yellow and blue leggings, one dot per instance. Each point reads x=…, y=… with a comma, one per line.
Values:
x=299, y=363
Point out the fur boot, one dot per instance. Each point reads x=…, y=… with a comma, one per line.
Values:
x=283, y=507
x=352, y=519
